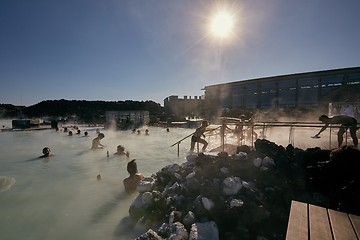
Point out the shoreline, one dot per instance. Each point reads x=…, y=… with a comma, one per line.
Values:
x=246, y=195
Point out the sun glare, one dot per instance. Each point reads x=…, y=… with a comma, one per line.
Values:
x=222, y=24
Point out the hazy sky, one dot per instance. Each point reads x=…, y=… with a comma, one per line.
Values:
x=117, y=50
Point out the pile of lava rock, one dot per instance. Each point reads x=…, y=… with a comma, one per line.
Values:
x=247, y=195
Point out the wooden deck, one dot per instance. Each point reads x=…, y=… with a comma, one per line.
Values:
x=312, y=222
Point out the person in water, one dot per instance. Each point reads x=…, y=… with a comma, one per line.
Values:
x=197, y=136
x=96, y=142
x=120, y=151
x=131, y=182
x=347, y=122
x=46, y=152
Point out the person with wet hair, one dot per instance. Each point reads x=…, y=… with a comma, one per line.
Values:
x=96, y=142
x=131, y=182
x=46, y=152
x=196, y=137
x=347, y=122
x=120, y=151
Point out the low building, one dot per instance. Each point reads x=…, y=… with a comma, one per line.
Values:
x=126, y=119
x=186, y=107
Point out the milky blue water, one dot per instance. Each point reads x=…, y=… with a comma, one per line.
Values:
x=60, y=197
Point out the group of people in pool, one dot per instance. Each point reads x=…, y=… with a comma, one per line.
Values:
x=130, y=183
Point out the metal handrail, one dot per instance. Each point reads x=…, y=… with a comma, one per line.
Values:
x=265, y=125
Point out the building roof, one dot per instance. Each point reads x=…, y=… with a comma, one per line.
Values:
x=287, y=76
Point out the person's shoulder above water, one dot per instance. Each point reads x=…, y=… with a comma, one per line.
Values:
x=131, y=182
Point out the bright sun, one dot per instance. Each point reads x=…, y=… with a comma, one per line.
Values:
x=222, y=24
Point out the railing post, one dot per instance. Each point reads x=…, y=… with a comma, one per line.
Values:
x=252, y=136
x=263, y=132
x=346, y=137
x=291, y=135
x=330, y=137
x=178, y=149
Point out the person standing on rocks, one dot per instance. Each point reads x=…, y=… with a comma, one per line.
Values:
x=197, y=136
x=346, y=122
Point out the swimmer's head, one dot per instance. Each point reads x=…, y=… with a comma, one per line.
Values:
x=98, y=177
x=323, y=118
x=101, y=135
x=46, y=151
x=132, y=167
x=86, y=133
x=120, y=148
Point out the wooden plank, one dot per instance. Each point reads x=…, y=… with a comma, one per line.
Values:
x=298, y=222
x=355, y=220
x=341, y=226
x=319, y=223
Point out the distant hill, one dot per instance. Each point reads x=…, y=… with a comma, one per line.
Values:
x=9, y=110
x=87, y=111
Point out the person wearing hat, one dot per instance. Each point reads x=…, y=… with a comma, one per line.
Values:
x=131, y=182
x=196, y=137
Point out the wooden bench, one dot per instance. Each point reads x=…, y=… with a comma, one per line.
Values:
x=312, y=222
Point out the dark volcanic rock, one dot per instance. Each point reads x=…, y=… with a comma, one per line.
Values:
x=247, y=195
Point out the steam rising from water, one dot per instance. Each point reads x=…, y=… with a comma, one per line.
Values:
x=6, y=183
x=63, y=193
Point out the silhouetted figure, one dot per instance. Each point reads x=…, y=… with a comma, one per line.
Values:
x=197, y=136
x=346, y=122
x=239, y=127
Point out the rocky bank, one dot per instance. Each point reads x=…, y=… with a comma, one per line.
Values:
x=246, y=195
